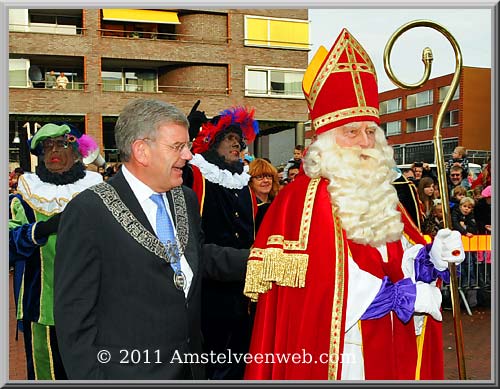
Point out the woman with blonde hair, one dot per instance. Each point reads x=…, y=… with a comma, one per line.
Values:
x=264, y=183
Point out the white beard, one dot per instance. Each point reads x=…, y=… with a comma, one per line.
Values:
x=360, y=187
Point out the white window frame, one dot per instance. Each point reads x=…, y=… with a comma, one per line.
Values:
x=447, y=122
x=384, y=106
x=443, y=91
x=20, y=64
x=393, y=128
x=268, y=91
x=129, y=81
x=426, y=96
x=429, y=120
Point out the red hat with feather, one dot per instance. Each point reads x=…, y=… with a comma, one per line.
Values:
x=236, y=119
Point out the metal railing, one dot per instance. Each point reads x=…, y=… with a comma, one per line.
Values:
x=179, y=89
x=162, y=36
x=71, y=85
x=46, y=28
x=474, y=273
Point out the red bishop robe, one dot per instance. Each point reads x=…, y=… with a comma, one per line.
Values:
x=298, y=271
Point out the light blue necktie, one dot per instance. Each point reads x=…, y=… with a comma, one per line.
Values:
x=165, y=232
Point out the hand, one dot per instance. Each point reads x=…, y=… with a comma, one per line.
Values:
x=47, y=227
x=447, y=248
x=196, y=119
x=428, y=300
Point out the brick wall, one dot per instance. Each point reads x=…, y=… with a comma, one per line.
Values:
x=213, y=62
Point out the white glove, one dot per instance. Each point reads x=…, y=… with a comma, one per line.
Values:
x=428, y=300
x=447, y=247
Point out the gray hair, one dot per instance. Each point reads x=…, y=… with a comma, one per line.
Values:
x=141, y=118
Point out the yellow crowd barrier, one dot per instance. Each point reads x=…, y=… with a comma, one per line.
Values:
x=474, y=243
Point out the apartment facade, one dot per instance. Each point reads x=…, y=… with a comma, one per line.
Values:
x=227, y=57
x=408, y=117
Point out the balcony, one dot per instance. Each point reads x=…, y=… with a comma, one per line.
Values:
x=32, y=71
x=46, y=21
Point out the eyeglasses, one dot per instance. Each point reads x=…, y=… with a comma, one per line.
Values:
x=455, y=175
x=48, y=144
x=262, y=176
x=177, y=147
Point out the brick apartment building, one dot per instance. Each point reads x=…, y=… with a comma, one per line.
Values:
x=223, y=57
x=408, y=116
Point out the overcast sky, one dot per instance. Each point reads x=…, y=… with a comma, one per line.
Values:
x=373, y=27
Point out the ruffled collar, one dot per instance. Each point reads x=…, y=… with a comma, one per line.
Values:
x=223, y=177
x=49, y=199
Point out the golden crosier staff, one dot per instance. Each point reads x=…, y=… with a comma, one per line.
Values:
x=438, y=151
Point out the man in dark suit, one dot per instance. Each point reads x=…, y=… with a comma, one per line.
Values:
x=127, y=299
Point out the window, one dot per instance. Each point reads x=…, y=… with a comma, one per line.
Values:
x=274, y=82
x=257, y=82
x=112, y=81
x=424, y=123
x=129, y=80
x=419, y=99
x=18, y=73
x=411, y=125
x=392, y=128
x=389, y=106
x=273, y=32
x=443, y=91
x=451, y=119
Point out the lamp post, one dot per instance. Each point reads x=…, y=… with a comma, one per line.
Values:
x=16, y=139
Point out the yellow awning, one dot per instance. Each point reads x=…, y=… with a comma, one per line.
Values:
x=140, y=16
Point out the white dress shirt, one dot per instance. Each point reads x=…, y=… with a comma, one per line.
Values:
x=143, y=193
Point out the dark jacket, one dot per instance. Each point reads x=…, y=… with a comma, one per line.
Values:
x=408, y=196
x=482, y=214
x=113, y=294
x=470, y=222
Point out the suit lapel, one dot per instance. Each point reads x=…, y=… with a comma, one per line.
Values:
x=128, y=197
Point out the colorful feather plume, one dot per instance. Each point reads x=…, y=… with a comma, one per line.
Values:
x=86, y=145
x=240, y=116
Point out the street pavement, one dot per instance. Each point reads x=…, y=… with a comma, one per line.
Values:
x=476, y=333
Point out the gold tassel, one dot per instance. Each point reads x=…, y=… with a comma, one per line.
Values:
x=276, y=266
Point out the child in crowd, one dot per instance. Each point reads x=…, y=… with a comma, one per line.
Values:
x=462, y=220
x=298, y=154
x=435, y=222
x=459, y=158
x=476, y=193
x=462, y=217
x=457, y=194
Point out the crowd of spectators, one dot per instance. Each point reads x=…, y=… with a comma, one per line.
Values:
x=469, y=203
